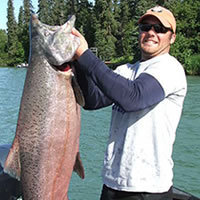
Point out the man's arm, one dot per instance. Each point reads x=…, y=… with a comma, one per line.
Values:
x=94, y=97
x=130, y=95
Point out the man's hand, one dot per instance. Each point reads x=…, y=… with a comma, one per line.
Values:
x=83, y=43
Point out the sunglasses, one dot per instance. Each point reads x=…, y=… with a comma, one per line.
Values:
x=157, y=27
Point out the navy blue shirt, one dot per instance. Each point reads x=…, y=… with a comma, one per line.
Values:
x=101, y=86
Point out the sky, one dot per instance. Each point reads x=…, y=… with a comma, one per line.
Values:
x=16, y=4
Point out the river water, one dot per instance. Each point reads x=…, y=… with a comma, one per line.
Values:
x=94, y=134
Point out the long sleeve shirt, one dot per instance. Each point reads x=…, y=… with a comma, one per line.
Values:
x=102, y=86
x=147, y=100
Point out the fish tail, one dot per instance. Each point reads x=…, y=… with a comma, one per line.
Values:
x=78, y=166
x=12, y=164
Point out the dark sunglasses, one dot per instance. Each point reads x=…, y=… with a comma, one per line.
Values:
x=157, y=27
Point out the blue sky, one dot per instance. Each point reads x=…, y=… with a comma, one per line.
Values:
x=17, y=4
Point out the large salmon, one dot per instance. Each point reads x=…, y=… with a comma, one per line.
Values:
x=45, y=149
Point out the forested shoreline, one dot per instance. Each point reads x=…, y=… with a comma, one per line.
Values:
x=109, y=25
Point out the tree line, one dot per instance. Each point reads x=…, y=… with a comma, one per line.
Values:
x=109, y=25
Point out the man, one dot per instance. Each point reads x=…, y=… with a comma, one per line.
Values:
x=147, y=99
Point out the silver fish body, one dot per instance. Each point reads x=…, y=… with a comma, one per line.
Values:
x=46, y=145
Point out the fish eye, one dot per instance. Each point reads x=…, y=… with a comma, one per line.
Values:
x=46, y=33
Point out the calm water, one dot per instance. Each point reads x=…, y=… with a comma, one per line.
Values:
x=95, y=126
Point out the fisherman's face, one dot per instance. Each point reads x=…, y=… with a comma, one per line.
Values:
x=152, y=43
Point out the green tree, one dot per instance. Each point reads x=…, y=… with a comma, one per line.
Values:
x=193, y=67
x=85, y=21
x=43, y=11
x=104, y=38
x=3, y=43
x=25, y=36
x=126, y=30
x=187, y=43
x=12, y=34
x=72, y=6
x=20, y=35
x=58, y=12
x=20, y=22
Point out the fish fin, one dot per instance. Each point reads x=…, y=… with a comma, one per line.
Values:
x=78, y=166
x=77, y=92
x=12, y=165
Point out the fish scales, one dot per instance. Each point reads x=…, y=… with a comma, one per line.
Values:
x=46, y=145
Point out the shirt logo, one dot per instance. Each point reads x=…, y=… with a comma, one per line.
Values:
x=157, y=9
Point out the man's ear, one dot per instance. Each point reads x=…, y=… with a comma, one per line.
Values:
x=173, y=38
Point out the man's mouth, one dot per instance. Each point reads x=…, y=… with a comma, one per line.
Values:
x=150, y=42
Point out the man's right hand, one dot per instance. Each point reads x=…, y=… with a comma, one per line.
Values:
x=83, y=43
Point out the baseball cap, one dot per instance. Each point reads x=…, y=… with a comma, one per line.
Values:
x=164, y=15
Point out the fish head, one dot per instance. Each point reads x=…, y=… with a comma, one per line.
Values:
x=57, y=42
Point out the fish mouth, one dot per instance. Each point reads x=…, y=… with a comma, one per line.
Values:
x=63, y=68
